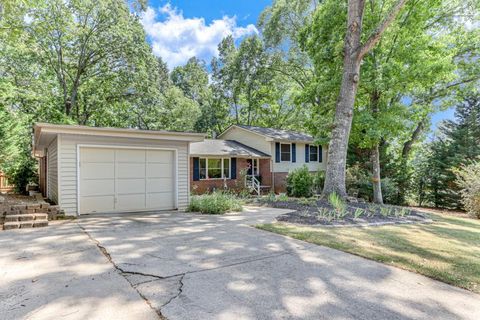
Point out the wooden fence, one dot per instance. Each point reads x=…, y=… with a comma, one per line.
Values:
x=5, y=186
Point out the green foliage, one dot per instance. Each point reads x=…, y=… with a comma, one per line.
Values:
x=468, y=179
x=358, y=182
x=337, y=203
x=326, y=214
x=318, y=181
x=299, y=182
x=15, y=158
x=358, y=212
x=215, y=203
x=457, y=145
x=307, y=201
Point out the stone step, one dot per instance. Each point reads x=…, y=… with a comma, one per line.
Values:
x=25, y=224
x=26, y=217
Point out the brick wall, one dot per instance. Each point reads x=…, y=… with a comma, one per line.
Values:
x=202, y=186
x=280, y=182
x=265, y=172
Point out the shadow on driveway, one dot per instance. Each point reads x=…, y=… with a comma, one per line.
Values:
x=218, y=267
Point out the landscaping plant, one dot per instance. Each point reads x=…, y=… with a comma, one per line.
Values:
x=338, y=204
x=215, y=203
x=299, y=183
x=358, y=212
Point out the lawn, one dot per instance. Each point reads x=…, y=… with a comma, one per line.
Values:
x=447, y=250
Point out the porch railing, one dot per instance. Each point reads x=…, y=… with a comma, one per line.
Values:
x=252, y=183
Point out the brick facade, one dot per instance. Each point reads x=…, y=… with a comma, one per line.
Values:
x=280, y=182
x=203, y=186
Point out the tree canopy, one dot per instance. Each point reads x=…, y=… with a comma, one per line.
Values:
x=89, y=62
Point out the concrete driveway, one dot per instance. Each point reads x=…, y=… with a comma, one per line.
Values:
x=185, y=266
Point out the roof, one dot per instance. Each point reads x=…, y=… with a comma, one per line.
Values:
x=278, y=134
x=217, y=147
x=46, y=132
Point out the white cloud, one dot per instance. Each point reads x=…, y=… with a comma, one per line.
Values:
x=176, y=38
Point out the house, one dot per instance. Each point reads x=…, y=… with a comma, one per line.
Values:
x=90, y=169
x=265, y=153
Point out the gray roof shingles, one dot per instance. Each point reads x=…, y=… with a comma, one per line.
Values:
x=213, y=147
x=279, y=134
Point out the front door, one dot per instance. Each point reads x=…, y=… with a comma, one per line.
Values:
x=253, y=165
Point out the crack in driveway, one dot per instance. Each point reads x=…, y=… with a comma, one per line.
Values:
x=179, y=291
x=122, y=272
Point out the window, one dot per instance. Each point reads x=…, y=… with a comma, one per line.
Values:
x=214, y=168
x=313, y=153
x=285, y=152
x=203, y=168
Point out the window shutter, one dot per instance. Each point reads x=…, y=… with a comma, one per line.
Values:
x=320, y=154
x=307, y=153
x=294, y=152
x=277, y=151
x=233, y=168
x=196, y=169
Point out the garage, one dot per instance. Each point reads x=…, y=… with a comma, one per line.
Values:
x=123, y=179
x=104, y=170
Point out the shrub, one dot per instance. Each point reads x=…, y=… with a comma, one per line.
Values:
x=318, y=181
x=358, y=182
x=300, y=183
x=390, y=191
x=215, y=203
x=468, y=178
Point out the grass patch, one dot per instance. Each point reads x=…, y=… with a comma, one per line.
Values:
x=215, y=203
x=447, y=250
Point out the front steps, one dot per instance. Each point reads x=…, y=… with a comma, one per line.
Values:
x=30, y=215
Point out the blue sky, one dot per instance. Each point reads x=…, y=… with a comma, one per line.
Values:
x=180, y=29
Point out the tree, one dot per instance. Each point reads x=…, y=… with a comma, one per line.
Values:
x=354, y=52
x=93, y=54
x=456, y=145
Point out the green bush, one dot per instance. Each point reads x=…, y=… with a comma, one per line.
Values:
x=468, y=178
x=358, y=182
x=300, y=183
x=318, y=181
x=215, y=203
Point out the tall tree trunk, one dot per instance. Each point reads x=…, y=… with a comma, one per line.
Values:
x=376, y=180
x=337, y=150
x=353, y=55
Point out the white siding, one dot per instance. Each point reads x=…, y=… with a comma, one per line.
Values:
x=68, y=164
x=52, y=171
x=300, y=160
x=250, y=139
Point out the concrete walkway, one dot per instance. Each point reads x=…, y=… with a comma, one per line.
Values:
x=185, y=266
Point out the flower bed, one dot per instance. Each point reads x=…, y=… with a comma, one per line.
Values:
x=339, y=213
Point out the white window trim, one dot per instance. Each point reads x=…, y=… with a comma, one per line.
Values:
x=310, y=153
x=253, y=166
x=222, y=169
x=290, y=160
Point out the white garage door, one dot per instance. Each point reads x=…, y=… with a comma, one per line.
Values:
x=114, y=180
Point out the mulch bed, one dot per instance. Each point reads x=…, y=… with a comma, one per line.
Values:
x=308, y=214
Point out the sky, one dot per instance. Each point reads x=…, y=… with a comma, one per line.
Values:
x=181, y=29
